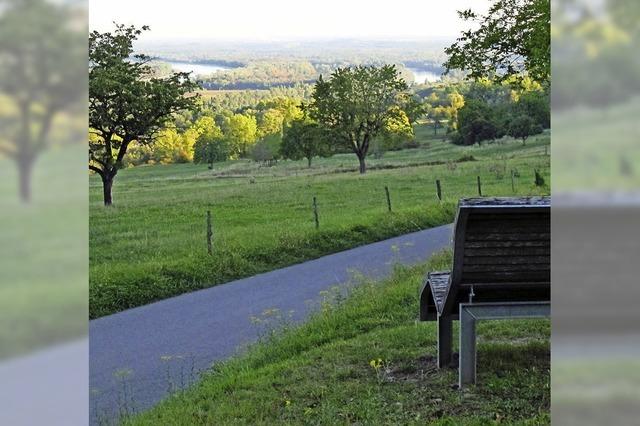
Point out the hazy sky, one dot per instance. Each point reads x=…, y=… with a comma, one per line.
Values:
x=284, y=19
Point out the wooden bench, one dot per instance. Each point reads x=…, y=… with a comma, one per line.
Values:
x=501, y=269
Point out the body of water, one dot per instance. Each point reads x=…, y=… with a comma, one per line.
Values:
x=421, y=75
x=196, y=68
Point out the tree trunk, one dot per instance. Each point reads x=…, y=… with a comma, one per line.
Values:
x=363, y=166
x=309, y=162
x=107, y=184
x=25, y=167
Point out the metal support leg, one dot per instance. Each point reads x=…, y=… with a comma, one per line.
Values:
x=472, y=312
x=445, y=341
x=467, y=363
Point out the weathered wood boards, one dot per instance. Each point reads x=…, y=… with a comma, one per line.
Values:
x=502, y=249
x=501, y=256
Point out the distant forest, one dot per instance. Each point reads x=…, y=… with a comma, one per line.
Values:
x=263, y=66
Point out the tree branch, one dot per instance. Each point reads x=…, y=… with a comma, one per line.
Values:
x=97, y=170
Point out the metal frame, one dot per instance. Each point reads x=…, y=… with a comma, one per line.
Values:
x=472, y=312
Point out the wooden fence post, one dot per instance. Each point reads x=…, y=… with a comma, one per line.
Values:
x=386, y=190
x=513, y=185
x=479, y=187
x=209, y=233
x=315, y=212
x=438, y=189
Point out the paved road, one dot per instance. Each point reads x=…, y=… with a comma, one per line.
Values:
x=136, y=356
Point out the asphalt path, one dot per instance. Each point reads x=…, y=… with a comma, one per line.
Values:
x=138, y=356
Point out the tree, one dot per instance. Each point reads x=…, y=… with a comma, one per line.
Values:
x=270, y=122
x=437, y=115
x=482, y=129
x=476, y=123
x=267, y=149
x=288, y=107
x=522, y=127
x=413, y=108
x=397, y=131
x=456, y=102
x=241, y=132
x=42, y=68
x=535, y=104
x=356, y=103
x=211, y=147
x=512, y=39
x=304, y=138
x=169, y=147
x=126, y=102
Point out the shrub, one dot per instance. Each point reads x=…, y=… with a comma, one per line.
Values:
x=466, y=157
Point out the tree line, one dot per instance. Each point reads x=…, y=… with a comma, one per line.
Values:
x=132, y=109
x=484, y=110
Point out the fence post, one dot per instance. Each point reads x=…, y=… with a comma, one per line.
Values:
x=209, y=233
x=513, y=185
x=479, y=187
x=315, y=212
x=438, y=189
x=386, y=190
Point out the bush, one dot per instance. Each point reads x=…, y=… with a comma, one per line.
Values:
x=456, y=138
x=466, y=157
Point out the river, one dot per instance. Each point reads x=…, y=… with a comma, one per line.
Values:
x=196, y=68
x=421, y=75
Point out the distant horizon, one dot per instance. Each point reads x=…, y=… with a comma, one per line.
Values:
x=284, y=20
x=387, y=39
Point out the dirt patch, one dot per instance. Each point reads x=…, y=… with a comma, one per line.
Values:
x=416, y=371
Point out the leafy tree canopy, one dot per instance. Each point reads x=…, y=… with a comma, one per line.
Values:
x=304, y=138
x=522, y=127
x=357, y=103
x=126, y=101
x=512, y=39
x=241, y=132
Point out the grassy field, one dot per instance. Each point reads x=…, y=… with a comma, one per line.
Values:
x=365, y=360
x=151, y=245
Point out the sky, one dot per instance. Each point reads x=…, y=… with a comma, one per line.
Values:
x=255, y=20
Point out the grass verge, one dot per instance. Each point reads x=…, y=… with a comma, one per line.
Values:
x=365, y=360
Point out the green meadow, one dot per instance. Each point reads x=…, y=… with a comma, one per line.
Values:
x=152, y=243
